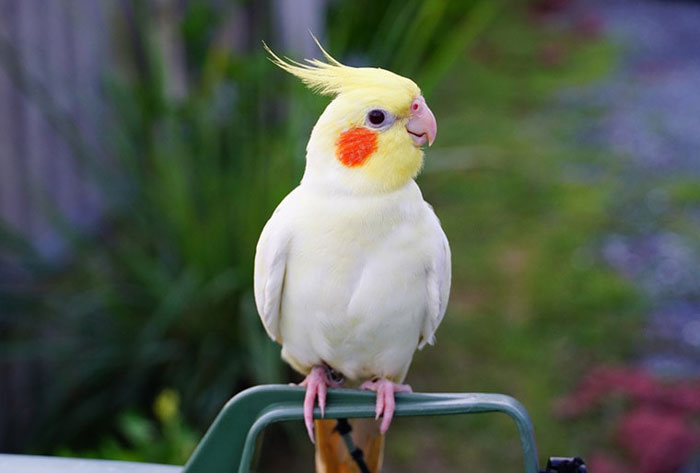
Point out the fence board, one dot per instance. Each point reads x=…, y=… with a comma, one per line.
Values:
x=60, y=56
x=59, y=45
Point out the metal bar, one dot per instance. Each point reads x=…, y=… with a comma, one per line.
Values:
x=230, y=441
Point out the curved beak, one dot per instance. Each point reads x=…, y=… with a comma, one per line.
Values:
x=421, y=123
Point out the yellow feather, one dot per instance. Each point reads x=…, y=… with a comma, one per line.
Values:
x=333, y=78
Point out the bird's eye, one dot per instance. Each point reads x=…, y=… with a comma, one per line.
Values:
x=378, y=118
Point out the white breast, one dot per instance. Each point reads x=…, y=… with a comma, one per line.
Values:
x=355, y=291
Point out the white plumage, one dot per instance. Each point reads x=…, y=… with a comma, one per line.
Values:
x=356, y=282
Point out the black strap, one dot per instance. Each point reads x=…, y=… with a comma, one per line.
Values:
x=343, y=428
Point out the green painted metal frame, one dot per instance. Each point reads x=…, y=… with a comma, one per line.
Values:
x=229, y=443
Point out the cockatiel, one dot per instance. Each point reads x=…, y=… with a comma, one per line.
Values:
x=352, y=271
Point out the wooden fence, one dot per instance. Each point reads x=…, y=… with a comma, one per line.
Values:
x=53, y=53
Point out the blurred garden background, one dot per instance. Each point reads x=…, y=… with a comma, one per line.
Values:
x=143, y=145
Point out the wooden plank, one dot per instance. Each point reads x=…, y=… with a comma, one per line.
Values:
x=88, y=25
x=13, y=177
x=294, y=20
x=67, y=183
x=31, y=27
x=9, y=184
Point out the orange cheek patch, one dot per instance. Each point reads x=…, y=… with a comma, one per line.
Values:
x=355, y=146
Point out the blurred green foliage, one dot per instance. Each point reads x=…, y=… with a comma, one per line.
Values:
x=140, y=438
x=194, y=162
x=525, y=205
x=415, y=38
x=161, y=297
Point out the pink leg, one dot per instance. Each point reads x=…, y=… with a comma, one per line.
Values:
x=316, y=383
x=386, y=405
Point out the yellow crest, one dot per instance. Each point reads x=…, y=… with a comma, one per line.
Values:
x=333, y=78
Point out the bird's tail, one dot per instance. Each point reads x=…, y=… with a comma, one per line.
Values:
x=366, y=446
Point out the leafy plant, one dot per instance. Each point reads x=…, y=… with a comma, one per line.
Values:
x=652, y=421
x=193, y=162
x=419, y=39
x=161, y=296
x=138, y=438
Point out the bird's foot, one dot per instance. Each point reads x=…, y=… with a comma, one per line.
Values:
x=316, y=384
x=386, y=405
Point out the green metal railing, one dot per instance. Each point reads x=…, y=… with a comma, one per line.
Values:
x=228, y=445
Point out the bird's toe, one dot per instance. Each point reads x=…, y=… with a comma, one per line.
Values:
x=316, y=384
x=386, y=404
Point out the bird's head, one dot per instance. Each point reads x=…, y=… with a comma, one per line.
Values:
x=369, y=138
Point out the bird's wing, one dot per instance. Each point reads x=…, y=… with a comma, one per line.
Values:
x=439, y=276
x=270, y=267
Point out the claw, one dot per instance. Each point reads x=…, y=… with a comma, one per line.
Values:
x=322, y=390
x=379, y=409
x=386, y=405
x=316, y=386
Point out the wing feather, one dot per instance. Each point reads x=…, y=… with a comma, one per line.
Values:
x=270, y=268
x=438, y=279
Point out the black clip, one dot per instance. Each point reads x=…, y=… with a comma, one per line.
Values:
x=565, y=465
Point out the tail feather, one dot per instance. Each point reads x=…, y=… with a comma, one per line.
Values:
x=332, y=455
